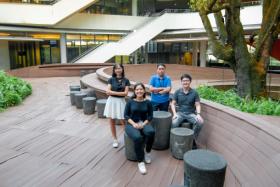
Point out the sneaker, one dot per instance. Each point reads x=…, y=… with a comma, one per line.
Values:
x=115, y=144
x=148, y=158
x=142, y=168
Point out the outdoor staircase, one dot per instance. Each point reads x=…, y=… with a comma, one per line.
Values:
x=250, y=16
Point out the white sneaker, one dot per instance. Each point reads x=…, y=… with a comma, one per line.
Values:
x=115, y=144
x=148, y=158
x=142, y=168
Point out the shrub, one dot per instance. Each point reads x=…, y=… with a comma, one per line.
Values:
x=12, y=90
x=230, y=98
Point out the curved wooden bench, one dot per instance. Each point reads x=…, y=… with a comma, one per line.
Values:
x=250, y=145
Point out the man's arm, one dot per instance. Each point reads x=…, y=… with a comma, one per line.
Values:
x=166, y=89
x=198, y=110
x=173, y=108
x=152, y=88
x=155, y=90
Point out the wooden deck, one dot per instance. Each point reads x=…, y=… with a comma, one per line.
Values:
x=47, y=142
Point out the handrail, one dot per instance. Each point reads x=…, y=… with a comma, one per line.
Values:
x=85, y=53
x=150, y=14
x=250, y=3
x=171, y=11
x=44, y=2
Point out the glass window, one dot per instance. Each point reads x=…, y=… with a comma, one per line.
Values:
x=117, y=7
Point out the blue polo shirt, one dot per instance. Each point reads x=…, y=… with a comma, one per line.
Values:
x=157, y=82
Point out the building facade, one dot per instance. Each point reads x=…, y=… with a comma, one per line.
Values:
x=88, y=31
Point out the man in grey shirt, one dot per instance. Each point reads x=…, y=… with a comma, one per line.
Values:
x=188, y=102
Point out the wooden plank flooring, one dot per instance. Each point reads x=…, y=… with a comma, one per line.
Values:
x=47, y=142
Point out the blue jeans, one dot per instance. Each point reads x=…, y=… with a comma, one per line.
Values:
x=181, y=117
x=160, y=106
x=139, y=137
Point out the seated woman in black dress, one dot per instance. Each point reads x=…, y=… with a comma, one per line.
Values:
x=139, y=113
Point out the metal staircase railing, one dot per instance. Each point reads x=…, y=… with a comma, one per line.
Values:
x=85, y=53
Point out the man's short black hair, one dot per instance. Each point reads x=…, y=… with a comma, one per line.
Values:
x=186, y=76
x=163, y=65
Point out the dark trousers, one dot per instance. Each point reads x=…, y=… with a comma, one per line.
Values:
x=160, y=106
x=141, y=137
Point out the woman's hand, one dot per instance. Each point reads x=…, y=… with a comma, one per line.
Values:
x=136, y=125
x=109, y=92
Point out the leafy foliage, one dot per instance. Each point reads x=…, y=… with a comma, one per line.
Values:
x=230, y=98
x=12, y=90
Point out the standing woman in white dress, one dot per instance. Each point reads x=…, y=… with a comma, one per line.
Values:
x=118, y=87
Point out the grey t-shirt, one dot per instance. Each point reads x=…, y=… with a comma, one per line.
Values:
x=186, y=101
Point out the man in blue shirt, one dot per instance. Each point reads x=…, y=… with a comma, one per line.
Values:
x=160, y=86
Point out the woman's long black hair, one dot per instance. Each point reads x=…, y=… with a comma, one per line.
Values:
x=138, y=84
x=117, y=66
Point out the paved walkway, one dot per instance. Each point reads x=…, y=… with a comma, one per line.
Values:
x=47, y=142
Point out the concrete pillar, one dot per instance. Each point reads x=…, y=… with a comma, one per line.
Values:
x=63, y=56
x=202, y=52
x=136, y=57
x=194, y=53
x=4, y=54
x=134, y=8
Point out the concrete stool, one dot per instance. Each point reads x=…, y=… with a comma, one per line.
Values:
x=75, y=88
x=72, y=96
x=181, y=140
x=204, y=168
x=162, y=124
x=79, y=99
x=83, y=86
x=89, y=105
x=90, y=93
x=100, y=107
x=186, y=125
x=129, y=148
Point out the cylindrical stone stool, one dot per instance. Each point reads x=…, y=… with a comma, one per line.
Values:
x=89, y=105
x=83, y=86
x=204, y=168
x=79, y=99
x=90, y=93
x=75, y=88
x=181, y=140
x=129, y=148
x=100, y=107
x=72, y=96
x=186, y=125
x=162, y=124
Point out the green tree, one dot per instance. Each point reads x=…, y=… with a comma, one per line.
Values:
x=250, y=68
